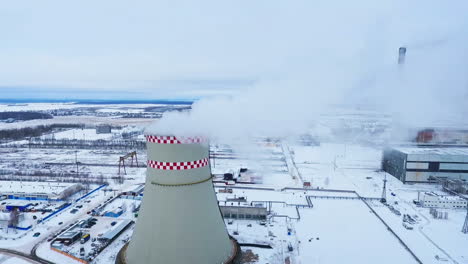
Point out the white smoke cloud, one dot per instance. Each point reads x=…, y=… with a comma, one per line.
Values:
x=346, y=53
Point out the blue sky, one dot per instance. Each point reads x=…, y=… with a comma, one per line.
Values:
x=189, y=49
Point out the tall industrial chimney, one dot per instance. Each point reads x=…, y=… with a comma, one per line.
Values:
x=179, y=220
x=401, y=55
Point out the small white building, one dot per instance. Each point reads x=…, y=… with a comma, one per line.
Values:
x=433, y=200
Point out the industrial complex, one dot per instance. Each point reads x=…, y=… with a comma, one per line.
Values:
x=123, y=193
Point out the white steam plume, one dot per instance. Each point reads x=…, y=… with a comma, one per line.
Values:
x=341, y=52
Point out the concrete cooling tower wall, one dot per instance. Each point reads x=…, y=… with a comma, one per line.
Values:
x=179, y=221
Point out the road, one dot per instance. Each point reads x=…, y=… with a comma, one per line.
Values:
x=27, y=257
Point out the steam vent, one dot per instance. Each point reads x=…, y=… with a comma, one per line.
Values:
x=179, y=220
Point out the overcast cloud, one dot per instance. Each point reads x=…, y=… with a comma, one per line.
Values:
x=121, y=45
x=302, y=54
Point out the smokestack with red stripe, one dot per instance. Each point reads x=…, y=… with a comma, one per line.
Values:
x=179, y=220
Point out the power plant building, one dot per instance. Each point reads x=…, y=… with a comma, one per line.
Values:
x=244, y=211
x=180, y=220
x=413, y=164
x=41, y=191
x=433, y=200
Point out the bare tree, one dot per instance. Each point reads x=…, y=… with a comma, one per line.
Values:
x=14, y=218
x=124, y=207
x=327, y=181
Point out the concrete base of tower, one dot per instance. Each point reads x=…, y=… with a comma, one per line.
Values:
x=233, y=259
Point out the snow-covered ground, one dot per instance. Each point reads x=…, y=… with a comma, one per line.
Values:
x=339, y=228
x=80, y=134
x=344, y=231
x=11, y=259
x=85, y=120
x=57, y=106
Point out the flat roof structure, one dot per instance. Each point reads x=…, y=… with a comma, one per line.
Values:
x=119, y=228
x=433, y=150
x=36, y=190
x=69, y=235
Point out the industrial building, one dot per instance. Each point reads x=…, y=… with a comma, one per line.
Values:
x=116, y=231
x=431, y=199
x=69, y=237
x=442, y=136
x=114, y=213
x=244, y=211
x=135, y=194
x=180, y=220
x=413, y=164
x=103, y=129
x=10, y=205
x=41, y=191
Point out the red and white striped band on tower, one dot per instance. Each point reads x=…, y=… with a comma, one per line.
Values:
x=174, y=140
x=184, y=165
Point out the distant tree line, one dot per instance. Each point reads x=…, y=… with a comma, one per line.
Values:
x=26, y=132
x=84, y=144
x=25, y=115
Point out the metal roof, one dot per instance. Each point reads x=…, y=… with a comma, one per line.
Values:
x=112, y=233
x=433, y=151
x=69, y=235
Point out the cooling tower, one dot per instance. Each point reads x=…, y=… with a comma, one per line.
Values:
x=179, y=220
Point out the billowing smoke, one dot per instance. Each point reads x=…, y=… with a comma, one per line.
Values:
x=345, y=53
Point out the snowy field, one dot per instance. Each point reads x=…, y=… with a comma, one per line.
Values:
x=84, y=120
x=80, y=134
x=58, y=106
x=333, y=231
x=337, y=231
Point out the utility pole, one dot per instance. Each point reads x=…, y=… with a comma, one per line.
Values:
x=465, y=226
x=76, y=162
x=384, y=190
x=214, y=159
x=401, y=55
x=211, y=153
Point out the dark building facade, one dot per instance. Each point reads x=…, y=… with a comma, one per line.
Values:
x=413, y=164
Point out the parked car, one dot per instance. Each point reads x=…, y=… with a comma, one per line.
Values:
x=36, y=234
x=85, y=238
x=60, y=223
x=113, y=223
